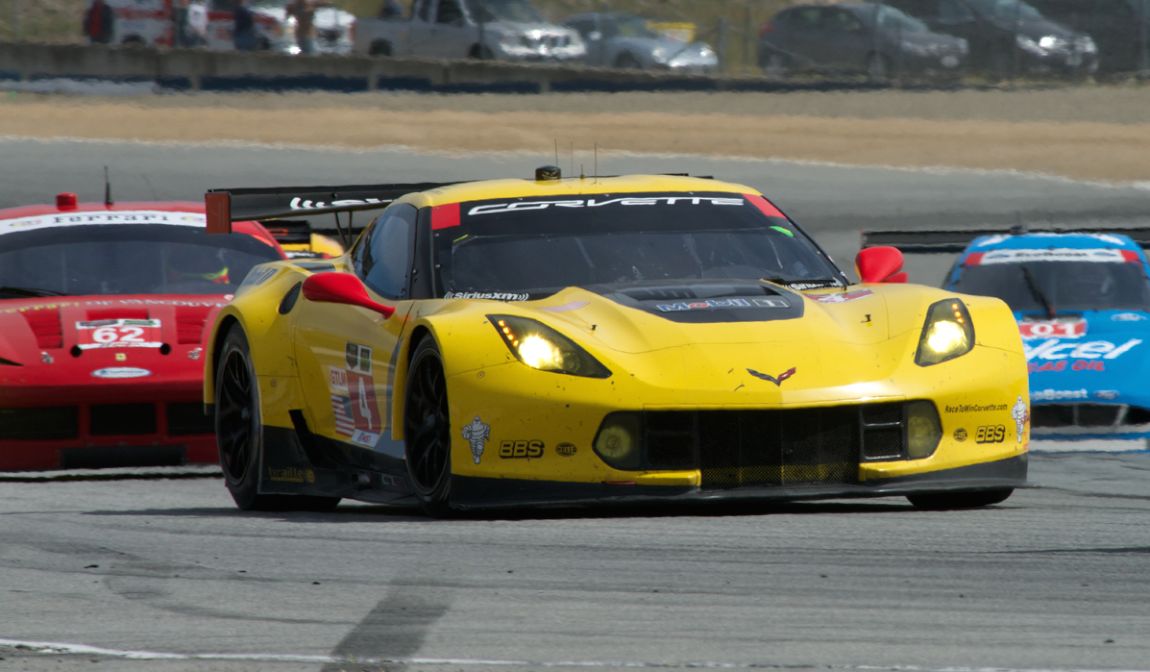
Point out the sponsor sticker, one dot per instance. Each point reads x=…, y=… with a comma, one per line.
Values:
x=1053, y=328
x=1108, y=395
x=1055, y=254
x=990, y=434
x=1021, y=415
x=103, y=217
x=476, y=433
x=719, y=304
x=1054, y=349
x=495, y=296
x=521, y=449
x=625, y=201
x=118, y=334
x=116, y=372
x=960, y=435
x=354, y=404
x=975, y=408
x=840, y=297
x=1127, y=317
x=566, y=450
x=1059, y=395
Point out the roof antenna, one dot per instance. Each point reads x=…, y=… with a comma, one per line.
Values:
x=107, y=190
x=572, y=155
x=557, y=151
x=596, y=174
x=1020, y=226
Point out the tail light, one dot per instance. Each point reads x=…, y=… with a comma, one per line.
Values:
x=768, y=27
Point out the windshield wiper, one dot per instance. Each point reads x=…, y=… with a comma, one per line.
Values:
x=1036, y=291
x=28, y=291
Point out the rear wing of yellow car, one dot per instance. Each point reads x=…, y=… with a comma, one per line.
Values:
x=287, y=209
x=953, y=241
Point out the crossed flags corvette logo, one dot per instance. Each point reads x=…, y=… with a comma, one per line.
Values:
x=777, y=380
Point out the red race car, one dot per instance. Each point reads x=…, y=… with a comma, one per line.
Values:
x=102, y=309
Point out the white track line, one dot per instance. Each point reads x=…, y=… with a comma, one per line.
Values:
x=60, y=648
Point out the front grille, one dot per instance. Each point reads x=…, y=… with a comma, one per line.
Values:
x=188, y=418
x=791, y=447
x=123, y=419
x=39, y=424
x=1081, y=415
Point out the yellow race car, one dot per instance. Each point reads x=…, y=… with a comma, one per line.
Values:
x=552, y=341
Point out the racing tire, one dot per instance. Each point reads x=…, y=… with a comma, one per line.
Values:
x=627, y=61
x=239, y=432
x=427, y=429
x=960, y=500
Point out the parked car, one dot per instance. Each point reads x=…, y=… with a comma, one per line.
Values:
x=616, y=39
x=1008, y=37
x=873, y=38
x=1121, y=28
x=334, y=27
x=509, y=30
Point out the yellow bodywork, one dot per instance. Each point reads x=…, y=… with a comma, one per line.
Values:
x=850, y=352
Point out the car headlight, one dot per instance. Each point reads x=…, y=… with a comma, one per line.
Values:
x=617, y=442
x=541, y=347
x=1028, y=45
x=948, y=333
x=1052, y=42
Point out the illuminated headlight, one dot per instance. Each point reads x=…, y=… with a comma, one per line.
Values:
x=948, y=333
x=541, y=347
x=659, y=55
x=1028, y=45
x=1052, y=42
x=617, y=442
x=923, y=430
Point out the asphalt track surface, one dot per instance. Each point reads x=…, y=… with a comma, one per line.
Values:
x=163, y=574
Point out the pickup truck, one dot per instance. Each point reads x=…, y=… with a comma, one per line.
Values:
x=508, y=30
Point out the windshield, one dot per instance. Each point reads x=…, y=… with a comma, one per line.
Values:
x=890, y=18
x=535, y=246
x=1065, y=286
x=126, y=259
x=634, y=26
x=1009, y=10
x=520, y=11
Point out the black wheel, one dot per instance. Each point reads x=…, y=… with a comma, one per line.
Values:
x=626, y=61
x=961, y=500
x=481, y=53
x=380, y=48
x=427, y=429
x=877, y=68
x=239, y=432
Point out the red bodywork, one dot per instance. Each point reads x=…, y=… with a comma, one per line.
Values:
x=133, y=399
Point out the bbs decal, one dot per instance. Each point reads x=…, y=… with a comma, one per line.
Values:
x=990, y=434
x=521, y=449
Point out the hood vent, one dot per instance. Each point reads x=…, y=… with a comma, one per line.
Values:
x=45, y=324
x=190, y=324
x=118, y=314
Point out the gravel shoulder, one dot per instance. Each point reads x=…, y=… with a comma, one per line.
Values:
x=1093, y=133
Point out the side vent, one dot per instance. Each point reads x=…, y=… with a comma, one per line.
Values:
x=45, y=324
x=190, y=323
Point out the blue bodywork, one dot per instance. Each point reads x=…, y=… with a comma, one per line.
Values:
x=1082, y=302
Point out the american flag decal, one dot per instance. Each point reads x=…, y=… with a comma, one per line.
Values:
x=344, y=421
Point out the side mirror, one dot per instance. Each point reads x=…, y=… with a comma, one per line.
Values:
x=879, y=264
x=342, y=288
x=594, y=36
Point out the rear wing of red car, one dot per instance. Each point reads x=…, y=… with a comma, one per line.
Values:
x=285, y=209
x=953, y=241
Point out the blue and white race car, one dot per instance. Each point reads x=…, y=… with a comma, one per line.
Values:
x=1082, y=301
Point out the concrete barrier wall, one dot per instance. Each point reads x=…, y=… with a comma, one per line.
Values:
x=199, y=70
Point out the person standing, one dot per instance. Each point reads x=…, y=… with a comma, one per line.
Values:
x=99, y=22
x=185, y=33
x=244, y=28
x=304, y=13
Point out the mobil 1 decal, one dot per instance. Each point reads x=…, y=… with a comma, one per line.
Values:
x=353, y=400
